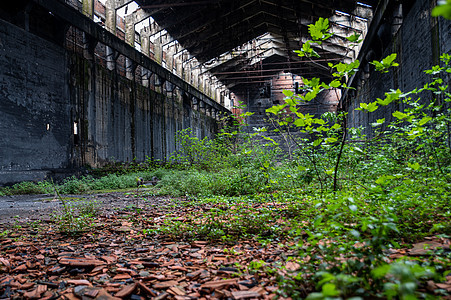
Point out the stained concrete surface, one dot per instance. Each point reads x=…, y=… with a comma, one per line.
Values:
x=28, y=208
x=22, y=207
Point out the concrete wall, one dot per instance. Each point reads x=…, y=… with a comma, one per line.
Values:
x=418, y=42
x=33, y=95
x=61, y=110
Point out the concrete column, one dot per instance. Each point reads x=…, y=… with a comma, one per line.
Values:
x=158, y=53
x=179, y=66
x=110, y=16
x=170, y=58
x=186, y=69
x=129, y=39
x=201, y=83
x=145, y=49
x=145, y=41
x=88, y=8
x=130, y=30
x=196, y=78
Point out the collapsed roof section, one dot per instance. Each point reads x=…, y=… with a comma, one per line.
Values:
x=240, y=44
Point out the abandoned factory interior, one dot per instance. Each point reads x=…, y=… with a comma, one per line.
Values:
x=85, y=83
x=225, y=149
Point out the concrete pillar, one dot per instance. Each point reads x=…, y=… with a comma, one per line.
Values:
x=129, y=39
x=170, y=58
x=195, y=79
x=186, y=69
x=145, y=49
x=179, y=66
x=130, y=30
x=110, y=24
x=145, y=41
x=158, y=53
x=88, y=8
x=201, y=83
x=110, y=16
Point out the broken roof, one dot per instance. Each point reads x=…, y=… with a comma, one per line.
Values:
x=244, y=42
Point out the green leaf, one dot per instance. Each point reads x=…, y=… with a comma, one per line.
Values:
x=424, y=120
x=246, y=114
x=442, y=9
x=385, y=179
x=302, y=168
x=399, y=115
x=331, y=140
x=336, y=83
x=390, y=97
x=389, y=60
x=416, y=166
x=329, y=172
x=299, y=122
x=354, y=38
x=271, y=140
x=319, y=121
x=315, y=296
x=329, y=290
x=288, y=93
x=370, y=107
x=381, y=271
x=276, y=109
x=320, y=30
x=317, y=142
x=307, y=50
x=335, y=126
x=386, y=63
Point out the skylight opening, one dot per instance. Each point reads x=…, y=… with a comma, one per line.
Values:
x=363, y=4
x=127, y=9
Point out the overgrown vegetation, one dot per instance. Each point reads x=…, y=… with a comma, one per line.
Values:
x=343, y=201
